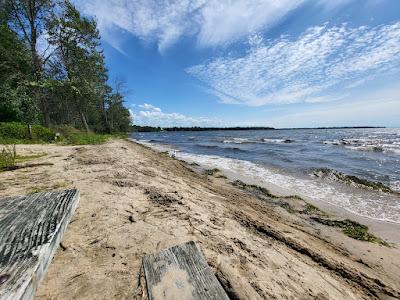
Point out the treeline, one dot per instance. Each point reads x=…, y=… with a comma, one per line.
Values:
x=214, y=128
x=52, y=69
x=136, y=128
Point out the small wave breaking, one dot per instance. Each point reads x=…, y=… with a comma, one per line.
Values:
x=258, y=141
x=236, y=149
x=368, y=144
x=352, y=180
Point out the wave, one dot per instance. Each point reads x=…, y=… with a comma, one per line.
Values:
x=259, y=141
x=352, y=180
x=395, y=185
x=220, y=148
x=237, y=141
x=368, y=144
x=364, y=202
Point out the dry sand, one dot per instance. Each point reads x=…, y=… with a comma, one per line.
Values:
x=136, y=201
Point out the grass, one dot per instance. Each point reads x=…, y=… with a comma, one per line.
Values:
x=20, y=158
x=8, y=157
x=18, y=133
x=86, y=139
x=73, y=136
x=352, y=229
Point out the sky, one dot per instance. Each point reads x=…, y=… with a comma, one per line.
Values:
x=279, y=63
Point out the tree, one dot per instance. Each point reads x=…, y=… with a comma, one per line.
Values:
x=76, y=39
x=16, y=103
x=70, y=85
x=28, y=18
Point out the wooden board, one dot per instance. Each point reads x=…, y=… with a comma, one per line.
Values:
x=31, y=228
x=181, y=272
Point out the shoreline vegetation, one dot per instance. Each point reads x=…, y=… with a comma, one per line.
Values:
x=135, y=201
x=295, y=204
x=14, y=133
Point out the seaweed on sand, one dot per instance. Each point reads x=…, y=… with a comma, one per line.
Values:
x=352, y=229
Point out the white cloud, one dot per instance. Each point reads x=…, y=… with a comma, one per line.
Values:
x=298, y=70
x=150, y=107
x=213, y=22
x=381, y=111
x=154, y=116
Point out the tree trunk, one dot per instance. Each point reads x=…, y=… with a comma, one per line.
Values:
x=84, y=122
x=30, y=136
x=46, y=118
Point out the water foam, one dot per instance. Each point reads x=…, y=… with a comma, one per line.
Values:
x=370, y=204
x=367, y=204
x=372, y=143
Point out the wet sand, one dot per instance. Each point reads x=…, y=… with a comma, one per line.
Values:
x=135, y=200
x=389, y=231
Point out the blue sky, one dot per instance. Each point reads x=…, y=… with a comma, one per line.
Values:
x=281, y=63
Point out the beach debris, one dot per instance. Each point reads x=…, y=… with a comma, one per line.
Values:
x=162, y=198
x=63, y=247
x=181, y=272
x=34, y=224
x=352, y=229
x=217, y=173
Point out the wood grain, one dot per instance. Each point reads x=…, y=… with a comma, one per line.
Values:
x=31, y=228
x=181, y=272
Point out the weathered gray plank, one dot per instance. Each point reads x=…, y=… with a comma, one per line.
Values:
x=31, y=228
x=181, y=272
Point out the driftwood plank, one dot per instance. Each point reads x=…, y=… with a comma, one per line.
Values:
x=181, y=272
x=31, y=228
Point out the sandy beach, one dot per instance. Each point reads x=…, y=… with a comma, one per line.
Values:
x=135, y=201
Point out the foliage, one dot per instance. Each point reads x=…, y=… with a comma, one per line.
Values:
x=73, y=136
x=18, y=133
x=16, y=103
x=13, y=132
x=67, y=83
x=86, y=139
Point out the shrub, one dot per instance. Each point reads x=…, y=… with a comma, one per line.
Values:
x=13, y=132
x=7, y=157
x=42, y=133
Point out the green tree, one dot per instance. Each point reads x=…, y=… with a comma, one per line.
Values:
x=16, y=103
x=76, y=39
x=69, y=86
x=28, y=18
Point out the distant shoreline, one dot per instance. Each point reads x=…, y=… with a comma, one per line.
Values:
x=238, y=128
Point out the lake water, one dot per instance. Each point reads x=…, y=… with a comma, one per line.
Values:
x=309, y=162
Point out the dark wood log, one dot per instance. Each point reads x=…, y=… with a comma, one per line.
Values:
x=181, y=272
x=31, y=228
